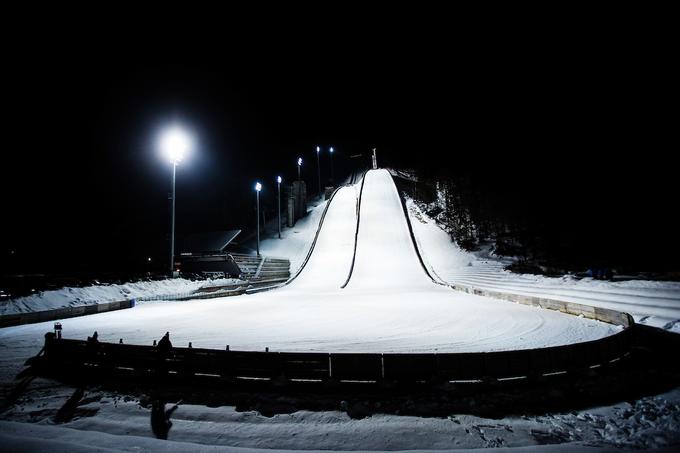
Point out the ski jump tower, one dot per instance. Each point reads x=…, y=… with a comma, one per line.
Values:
x=375, y=160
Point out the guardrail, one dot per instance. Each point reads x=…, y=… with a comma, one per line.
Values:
x=75, y=356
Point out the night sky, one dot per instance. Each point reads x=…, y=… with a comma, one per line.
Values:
x=580, y=130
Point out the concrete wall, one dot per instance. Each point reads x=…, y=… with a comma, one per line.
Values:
x=572, y=308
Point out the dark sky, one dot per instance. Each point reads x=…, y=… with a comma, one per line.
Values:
x=581, y=119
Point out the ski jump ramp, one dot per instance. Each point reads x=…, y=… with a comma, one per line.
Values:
x=389, y=305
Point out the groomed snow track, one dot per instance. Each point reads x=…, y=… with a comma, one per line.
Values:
x=366, y=237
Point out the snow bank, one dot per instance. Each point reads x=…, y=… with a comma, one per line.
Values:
x=88, y=295
x=295, y=242
x=649, y=302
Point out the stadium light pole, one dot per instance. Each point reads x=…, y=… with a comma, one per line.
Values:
x=299, y=162
x=318, y=169
x=258, y=187
x=331, y=164
x=278, y=182
x=174, y=143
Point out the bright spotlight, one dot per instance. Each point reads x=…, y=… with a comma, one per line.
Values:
x=318, y=149
x=331, y=150
x=278, y=179
x=258, y=186
x=299, y=160
x=174, y=143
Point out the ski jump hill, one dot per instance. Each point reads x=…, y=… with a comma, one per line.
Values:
x=361, y=308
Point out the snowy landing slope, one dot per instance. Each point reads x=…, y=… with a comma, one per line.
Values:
x=652, y=303
x=390, y=304
x=385, y=258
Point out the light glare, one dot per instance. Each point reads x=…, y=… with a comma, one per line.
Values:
x=258, y=186
x=299, y=160
x=174, y=143
x=278, y=179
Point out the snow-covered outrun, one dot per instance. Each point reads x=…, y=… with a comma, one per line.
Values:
x=388, y=304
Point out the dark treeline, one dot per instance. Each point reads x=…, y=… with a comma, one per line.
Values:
x=575, y=214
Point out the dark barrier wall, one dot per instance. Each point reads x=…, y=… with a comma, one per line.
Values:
x=72, y=354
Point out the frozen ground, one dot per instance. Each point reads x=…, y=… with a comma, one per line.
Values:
x=649, y=302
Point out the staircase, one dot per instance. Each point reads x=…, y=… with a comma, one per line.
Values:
x=262, y=272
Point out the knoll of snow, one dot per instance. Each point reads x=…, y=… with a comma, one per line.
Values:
x=88, y=295
x=653, y=303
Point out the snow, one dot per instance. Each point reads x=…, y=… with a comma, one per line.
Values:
x=649, y=302
x=294, y=245
x=389, y=305
x=112, y=423
x=386, y=260
x=88, y=295
x=295, y=242
x=329, y=265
